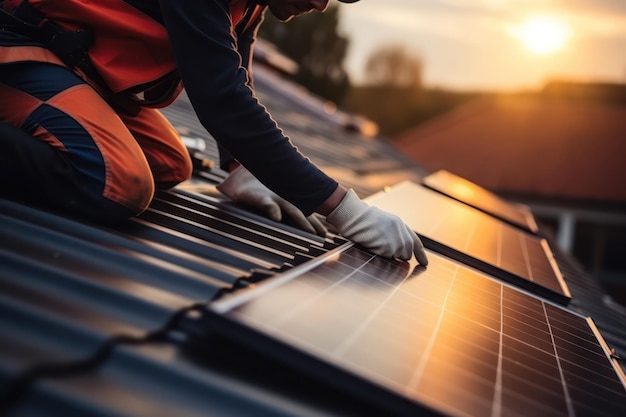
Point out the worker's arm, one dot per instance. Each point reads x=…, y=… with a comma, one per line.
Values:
x=217, y=85
x=245, y=46
x=380, y=232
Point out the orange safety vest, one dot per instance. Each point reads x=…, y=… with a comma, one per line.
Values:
x=131, y=52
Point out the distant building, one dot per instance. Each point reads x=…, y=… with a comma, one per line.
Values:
x=561, y=151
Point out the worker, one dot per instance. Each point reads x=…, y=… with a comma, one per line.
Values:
x=81, y=134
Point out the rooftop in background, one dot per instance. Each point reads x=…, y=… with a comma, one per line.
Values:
x=542, y=145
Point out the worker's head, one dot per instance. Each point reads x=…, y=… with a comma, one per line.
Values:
x=286, y=9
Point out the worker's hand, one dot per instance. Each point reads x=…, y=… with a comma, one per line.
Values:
x=380, y=232
x=242, y=187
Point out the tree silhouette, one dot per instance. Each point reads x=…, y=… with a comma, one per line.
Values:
x=393, y=66
x=313, y=41
x=394, y=95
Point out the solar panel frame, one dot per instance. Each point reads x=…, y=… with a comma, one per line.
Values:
x=312, y=356
x=475, y=238
x=472, y=194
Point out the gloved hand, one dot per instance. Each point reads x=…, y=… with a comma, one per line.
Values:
x=242, y=187
x=380, y=232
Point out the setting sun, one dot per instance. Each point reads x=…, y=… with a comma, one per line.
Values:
x=543, y=35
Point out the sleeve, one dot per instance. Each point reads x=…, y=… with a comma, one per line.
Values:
x=245, y=47
x=216, y=82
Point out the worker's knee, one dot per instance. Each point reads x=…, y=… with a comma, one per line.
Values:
x=117, y=202
x=130, y=185
x=172, y=166
x=180, y=170
x=162, y=147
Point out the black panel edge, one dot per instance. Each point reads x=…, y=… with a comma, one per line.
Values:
x=530, y=225
x=534, y=230
x=560, y=298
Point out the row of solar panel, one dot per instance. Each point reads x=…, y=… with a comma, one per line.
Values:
x=446, y=339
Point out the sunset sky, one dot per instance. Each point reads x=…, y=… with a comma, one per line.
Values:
x=494, y=44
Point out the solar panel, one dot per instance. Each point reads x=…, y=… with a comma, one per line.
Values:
x=444, y=340
x=478, y=197
x=477, y=239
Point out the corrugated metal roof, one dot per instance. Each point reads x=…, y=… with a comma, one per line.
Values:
x=80, y=300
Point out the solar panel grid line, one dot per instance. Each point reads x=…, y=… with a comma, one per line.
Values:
x=343, y=347
x=228, y=302
x=567, y=333
x=596, y=376
x=469, y=356
x=287, y=335
x=419, y=371
x=528, y=360
x=489, y=364
x=514, y=279
x=568, y=400
x=280, y=344
x=597, y=384
x=598, y=352
x=497, y=401
x=286, y=315
x=593, y=390
x=474, y=237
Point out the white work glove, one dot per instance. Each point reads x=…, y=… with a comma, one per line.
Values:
x=242, y=187
x=380, y=232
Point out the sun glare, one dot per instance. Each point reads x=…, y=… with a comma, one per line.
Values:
x=543, y=35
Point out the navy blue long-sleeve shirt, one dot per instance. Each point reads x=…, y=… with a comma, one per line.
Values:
x=213, y=62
